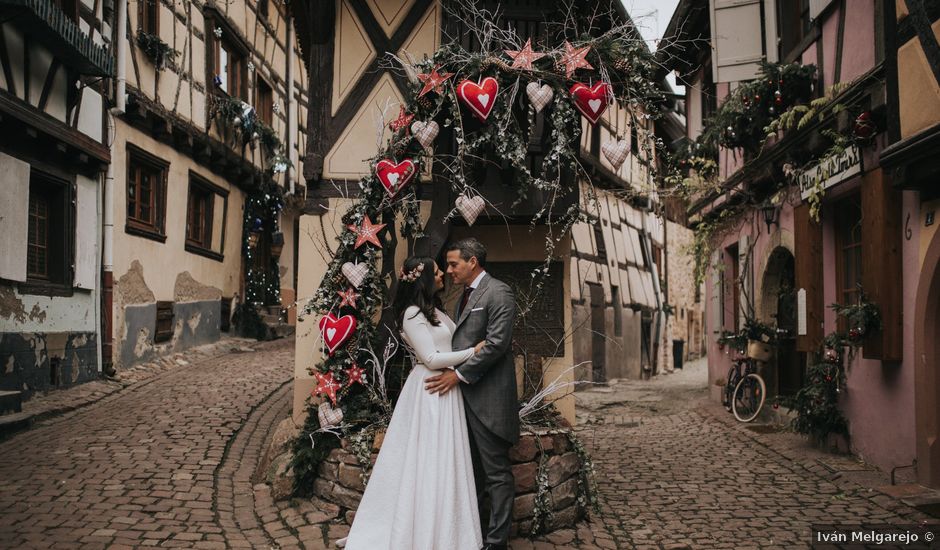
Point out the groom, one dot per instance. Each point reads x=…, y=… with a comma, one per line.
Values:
x=486, y=312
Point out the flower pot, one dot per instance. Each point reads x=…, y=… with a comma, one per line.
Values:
x=759, y=351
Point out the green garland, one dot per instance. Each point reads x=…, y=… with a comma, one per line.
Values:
x=502, y=140
x=817, y=403
x=156, y=49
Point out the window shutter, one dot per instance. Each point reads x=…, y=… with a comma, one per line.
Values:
x=881, y=264
x=86, y=233
x=736, y=35
x=14, y=217
x=809, y=276
x=746, y=299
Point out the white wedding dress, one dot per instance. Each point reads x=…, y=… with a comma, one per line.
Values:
x=421, y=493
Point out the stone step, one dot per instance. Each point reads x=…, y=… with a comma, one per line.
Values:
x=11, y=402
x=281, y=330
x=12, y=423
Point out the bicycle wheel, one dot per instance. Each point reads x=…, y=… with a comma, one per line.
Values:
x=729, y=388
x=748, y=397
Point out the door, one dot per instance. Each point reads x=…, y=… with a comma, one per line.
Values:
x=789, y=365
x=598, y=333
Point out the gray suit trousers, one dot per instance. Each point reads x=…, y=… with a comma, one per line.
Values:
x=492, y=471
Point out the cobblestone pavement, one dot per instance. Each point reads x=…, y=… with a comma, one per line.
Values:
x=155, y=464
x=168, y=462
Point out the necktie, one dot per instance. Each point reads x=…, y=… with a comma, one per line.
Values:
x=466, y=298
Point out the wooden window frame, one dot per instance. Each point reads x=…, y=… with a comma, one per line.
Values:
x=164, y=317
x=264, y=9
x=787, y=51
x=138, y=158
x=264, y=109
x=60, y=225
x=843, y=241
x=204, y=248
x=213, y=52
x=147, y=22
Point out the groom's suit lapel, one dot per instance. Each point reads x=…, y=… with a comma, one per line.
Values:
x=475, y=296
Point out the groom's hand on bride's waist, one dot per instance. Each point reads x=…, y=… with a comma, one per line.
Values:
x=442, y=383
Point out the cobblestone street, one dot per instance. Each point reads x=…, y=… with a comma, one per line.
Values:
x=168, y=462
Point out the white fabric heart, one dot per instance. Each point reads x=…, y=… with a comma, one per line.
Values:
x=616, y=152
x=594, y=104
x=355, y=272
x=328, y=415
x=484, y=99
x=393, y=178
x=331, y=333
x=470, y=207
x=539, y=96
x=425, y=133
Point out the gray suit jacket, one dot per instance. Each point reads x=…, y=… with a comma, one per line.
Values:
x=491, y=374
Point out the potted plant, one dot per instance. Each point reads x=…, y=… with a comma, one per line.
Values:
x=759, y=337
x=156, y=49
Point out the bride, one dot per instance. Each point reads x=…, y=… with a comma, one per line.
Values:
x=421, y=493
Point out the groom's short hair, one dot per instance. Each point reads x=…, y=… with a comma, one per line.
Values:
x=469, y=248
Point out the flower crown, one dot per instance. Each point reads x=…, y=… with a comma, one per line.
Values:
x=410, y=276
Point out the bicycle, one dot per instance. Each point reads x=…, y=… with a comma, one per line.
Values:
x=745, y=390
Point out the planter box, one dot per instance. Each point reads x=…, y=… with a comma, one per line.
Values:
x=341, y=479
x=759, y=351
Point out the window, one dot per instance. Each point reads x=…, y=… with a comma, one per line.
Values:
x=264, y=102
x=164, y=326
x=734, y=300
x=148, y=16
x=49, y=233
x=600, y=244
x=794, y=24
x=199, y=217
x=848, y=229
x=263, y=8
x=707, y=94
x=205, y=217
x=228, y=63
x=618, y=310
x=634, y=140
x=146, y=194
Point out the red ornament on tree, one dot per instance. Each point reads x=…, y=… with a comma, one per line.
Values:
x=367, y=232
x=864, y=127
x=336, y=330
x=479, y=97
x=327, y=386
x=394, y=176
x=356, y=374
x=433, y=81
x=591, y=101
x=403, y=120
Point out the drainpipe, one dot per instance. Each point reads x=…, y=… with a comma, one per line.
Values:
x=120, y=40
x=291, y=114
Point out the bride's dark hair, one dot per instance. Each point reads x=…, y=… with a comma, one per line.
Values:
x=416, y=289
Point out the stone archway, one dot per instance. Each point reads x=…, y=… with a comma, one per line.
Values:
x=777, y=307
x=926, y=363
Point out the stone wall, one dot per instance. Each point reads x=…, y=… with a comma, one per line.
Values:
x=341, y=480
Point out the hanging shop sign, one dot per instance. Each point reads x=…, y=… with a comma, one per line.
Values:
x=831, y=171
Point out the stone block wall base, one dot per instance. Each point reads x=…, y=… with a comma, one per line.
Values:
x=342, y=481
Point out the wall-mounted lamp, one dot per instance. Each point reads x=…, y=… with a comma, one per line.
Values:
x=770, y=214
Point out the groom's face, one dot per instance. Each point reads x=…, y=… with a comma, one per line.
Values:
x=460, y=270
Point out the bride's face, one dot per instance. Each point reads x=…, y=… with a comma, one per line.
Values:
x=438, y=278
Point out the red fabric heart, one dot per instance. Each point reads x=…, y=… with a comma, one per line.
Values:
x=479, y=97
x=395, y=176
x=592, y=102
x=336, y=331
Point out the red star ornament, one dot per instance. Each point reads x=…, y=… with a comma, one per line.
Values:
x=433, y=81
x=355, y=373
x=524, y=58
x=348, y=297
x=403, y=120
x=574, y=59
x=327, y=386
x=367, y=232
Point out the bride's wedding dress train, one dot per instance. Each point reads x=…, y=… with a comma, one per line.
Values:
x=421, y=493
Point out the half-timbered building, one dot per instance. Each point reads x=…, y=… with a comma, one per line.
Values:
x=54, y=136
x=595, y=275
x=209, y=118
